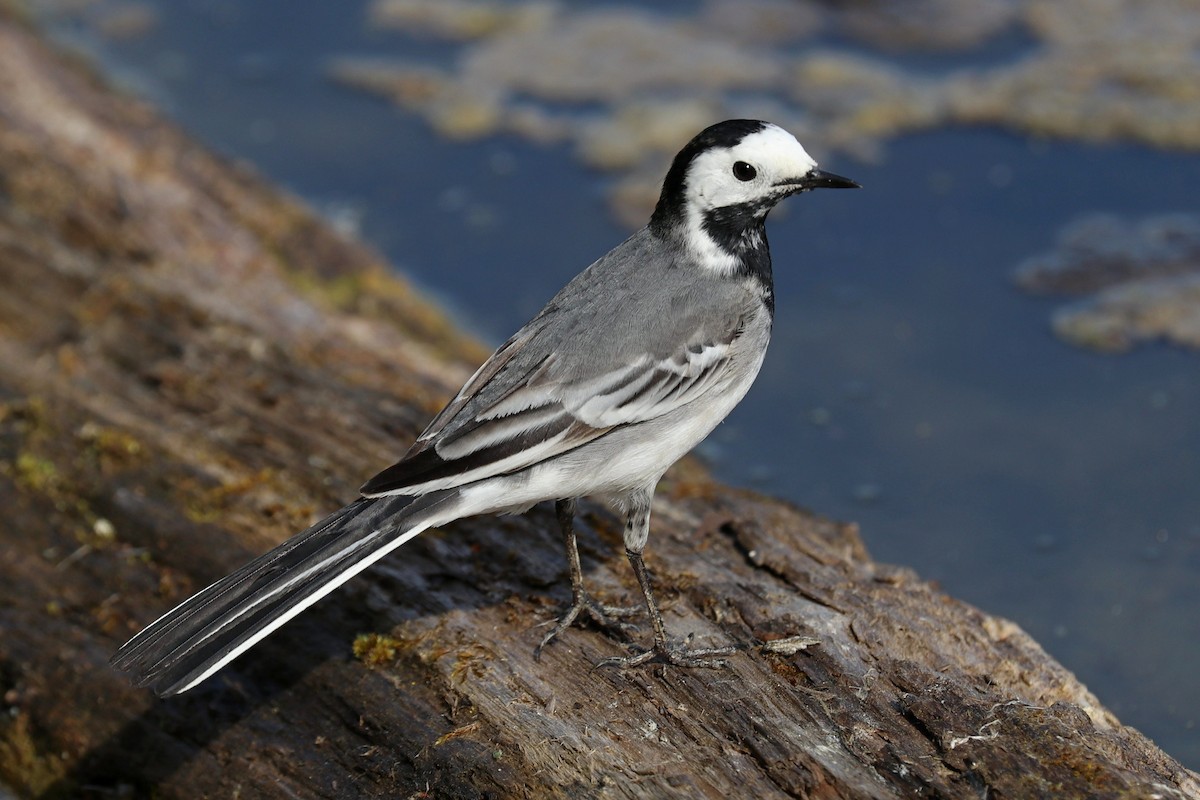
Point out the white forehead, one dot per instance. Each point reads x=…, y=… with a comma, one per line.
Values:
x=773, y=152
x=776, y=149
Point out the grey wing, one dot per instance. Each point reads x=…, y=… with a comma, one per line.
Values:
x=509, y=417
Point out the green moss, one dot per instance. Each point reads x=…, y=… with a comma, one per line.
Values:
x=376, y=649
x=23, y=764
x=211, y=504
x=36, y=474
x=54, y=466
x=342, y=292
x=108, y=447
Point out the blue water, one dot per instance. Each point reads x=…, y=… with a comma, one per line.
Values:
x=909, y=387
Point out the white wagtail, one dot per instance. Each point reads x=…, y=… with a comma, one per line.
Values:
x=622, y=373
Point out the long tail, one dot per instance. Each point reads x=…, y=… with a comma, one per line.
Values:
x=207, y=631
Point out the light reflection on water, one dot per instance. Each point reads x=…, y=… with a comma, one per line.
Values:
x=909, y=386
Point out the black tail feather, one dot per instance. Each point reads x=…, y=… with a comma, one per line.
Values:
x=214, y=626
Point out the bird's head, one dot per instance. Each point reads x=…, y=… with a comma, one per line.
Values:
x=724, y=181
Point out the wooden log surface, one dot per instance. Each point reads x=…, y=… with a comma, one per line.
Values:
x=193, y=366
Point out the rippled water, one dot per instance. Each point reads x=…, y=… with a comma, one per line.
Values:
x=909, y=387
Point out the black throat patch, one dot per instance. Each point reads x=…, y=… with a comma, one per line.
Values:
x=741, y=231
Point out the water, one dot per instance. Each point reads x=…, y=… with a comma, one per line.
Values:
x=909, y=386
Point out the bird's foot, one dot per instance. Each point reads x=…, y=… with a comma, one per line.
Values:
x=605, y=616
x=677, y=655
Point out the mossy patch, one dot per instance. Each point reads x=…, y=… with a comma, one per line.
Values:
x=376, y=294
x=23, y=763
x=376, y=649
x=35, y=474
x=110, y=448
x=212, y=503
x=65, y=467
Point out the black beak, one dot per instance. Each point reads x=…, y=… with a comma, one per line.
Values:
x=819, y=179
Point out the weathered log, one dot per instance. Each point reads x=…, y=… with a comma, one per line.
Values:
x=192, y=367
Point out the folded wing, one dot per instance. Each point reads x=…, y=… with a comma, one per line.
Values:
x=533, y=413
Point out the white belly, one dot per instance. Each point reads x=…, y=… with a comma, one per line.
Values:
x=632, y=457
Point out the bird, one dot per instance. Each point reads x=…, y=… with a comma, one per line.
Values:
x=621, y=374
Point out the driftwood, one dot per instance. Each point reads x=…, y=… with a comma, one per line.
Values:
x=192, y=367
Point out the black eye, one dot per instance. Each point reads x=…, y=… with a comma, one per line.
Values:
x=743, y=171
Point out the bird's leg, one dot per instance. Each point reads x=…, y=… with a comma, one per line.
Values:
x=581, y=601
x=637, y=530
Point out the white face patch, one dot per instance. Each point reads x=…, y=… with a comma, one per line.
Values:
x=775, y=156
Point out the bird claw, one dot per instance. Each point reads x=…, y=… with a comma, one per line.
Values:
x=605, y=616
x=611, y=615
x=679, y=656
